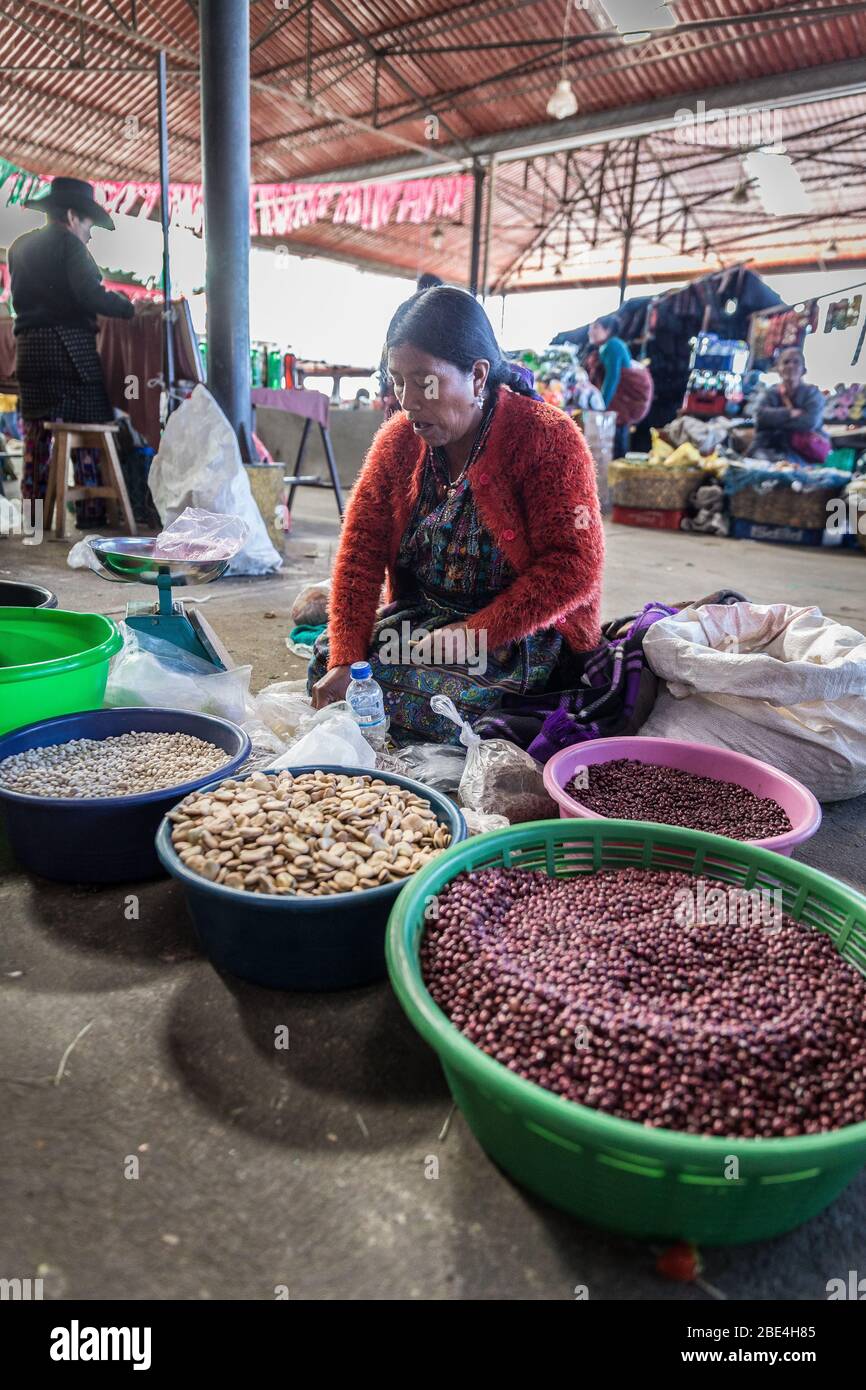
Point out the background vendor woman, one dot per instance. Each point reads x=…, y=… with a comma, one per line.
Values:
x=614, y=357
x=789, y=417
x=477, y=504
x=57, y=294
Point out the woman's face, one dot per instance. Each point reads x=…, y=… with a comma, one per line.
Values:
x=791, y=369
x=597, y=334
x=440, y=399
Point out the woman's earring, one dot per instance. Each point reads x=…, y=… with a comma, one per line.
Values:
x=479, y=401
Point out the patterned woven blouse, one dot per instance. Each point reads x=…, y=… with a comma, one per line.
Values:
x=445, y=546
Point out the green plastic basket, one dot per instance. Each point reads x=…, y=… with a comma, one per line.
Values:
x=612, y=1172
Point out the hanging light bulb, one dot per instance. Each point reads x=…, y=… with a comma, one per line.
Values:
x=563, y=102
x=437, y=238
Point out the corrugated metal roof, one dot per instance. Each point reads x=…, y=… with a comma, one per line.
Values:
x=78, y=97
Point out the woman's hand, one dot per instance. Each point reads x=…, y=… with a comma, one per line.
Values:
x=331, y=687
x=424, y=653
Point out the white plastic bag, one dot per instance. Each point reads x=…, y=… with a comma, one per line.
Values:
x=150, y=671
x=330, y=738
x=198, y=534
x=499, y=778
x=199, y=465
x=81, y=556
x=780, y=683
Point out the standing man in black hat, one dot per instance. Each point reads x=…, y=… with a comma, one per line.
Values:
x=57, y=294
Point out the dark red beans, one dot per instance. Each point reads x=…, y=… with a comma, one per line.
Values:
x=607, y=989
x=630, y=790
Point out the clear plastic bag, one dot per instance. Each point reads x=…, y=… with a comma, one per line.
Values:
x=284, y=707
x=478, y=824
x=310, y=608
x=329, y=738
x=437, y=765
x=499, y=778
x=150, y=671
x=198, y=534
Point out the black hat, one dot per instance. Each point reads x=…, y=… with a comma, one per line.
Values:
x=72, y=193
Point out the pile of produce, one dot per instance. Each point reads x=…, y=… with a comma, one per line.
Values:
x=310, y=834
x=124, y=765
x=609, y=989
x=626, y=789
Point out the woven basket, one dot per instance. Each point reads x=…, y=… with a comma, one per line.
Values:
x=781, y=506
x=651, y=485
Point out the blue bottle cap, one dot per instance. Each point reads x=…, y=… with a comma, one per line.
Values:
x=360, y=670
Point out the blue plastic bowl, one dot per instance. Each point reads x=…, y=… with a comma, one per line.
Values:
x=16, y=595
x=104, y=839
x=298, y=943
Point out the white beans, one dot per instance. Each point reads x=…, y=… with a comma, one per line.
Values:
x=124, y=765
x=307, y=835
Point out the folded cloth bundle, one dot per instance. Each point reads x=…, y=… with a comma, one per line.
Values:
x=616, y=694
x=306, y=635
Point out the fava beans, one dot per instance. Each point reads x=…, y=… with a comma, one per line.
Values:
x=311, y=834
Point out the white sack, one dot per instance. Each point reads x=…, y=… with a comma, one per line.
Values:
x=199, y=465
x=783, y=684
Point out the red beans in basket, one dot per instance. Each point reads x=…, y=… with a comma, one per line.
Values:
x=622, y=991
x=626, y=789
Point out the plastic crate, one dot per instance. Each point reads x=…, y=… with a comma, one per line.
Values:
x=656, y=518
x=742, y=530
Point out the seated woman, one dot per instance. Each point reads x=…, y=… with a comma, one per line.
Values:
x=789, y=417
x=478, y=504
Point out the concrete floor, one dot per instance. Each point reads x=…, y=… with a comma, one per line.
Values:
x=306, y=1169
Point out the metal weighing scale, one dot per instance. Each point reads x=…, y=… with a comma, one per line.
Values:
x=126, y=560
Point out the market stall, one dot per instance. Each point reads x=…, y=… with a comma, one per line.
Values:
x=309, y=852
x=705, y=469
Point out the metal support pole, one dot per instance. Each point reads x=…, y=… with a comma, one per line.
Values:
x=629, y=228
x=225, y=135
x=167, y=311
x=488, y=225
x=475, y=253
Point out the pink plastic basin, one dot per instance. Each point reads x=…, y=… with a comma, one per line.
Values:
x=801, y=806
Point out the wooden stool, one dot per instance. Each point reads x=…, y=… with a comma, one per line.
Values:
x=112, y=485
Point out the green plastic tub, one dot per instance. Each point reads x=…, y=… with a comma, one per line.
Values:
x=604, y=1170
x=52, y=662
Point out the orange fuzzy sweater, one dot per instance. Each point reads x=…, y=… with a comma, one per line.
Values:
x=534, y=487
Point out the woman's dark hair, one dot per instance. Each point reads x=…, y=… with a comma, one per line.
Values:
x=610, y=324
x=450, y=324
x=428, y=281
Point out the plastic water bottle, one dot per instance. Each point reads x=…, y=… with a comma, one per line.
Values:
x=367, y=703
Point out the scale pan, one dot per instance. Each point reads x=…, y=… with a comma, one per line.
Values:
x=131, y=559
